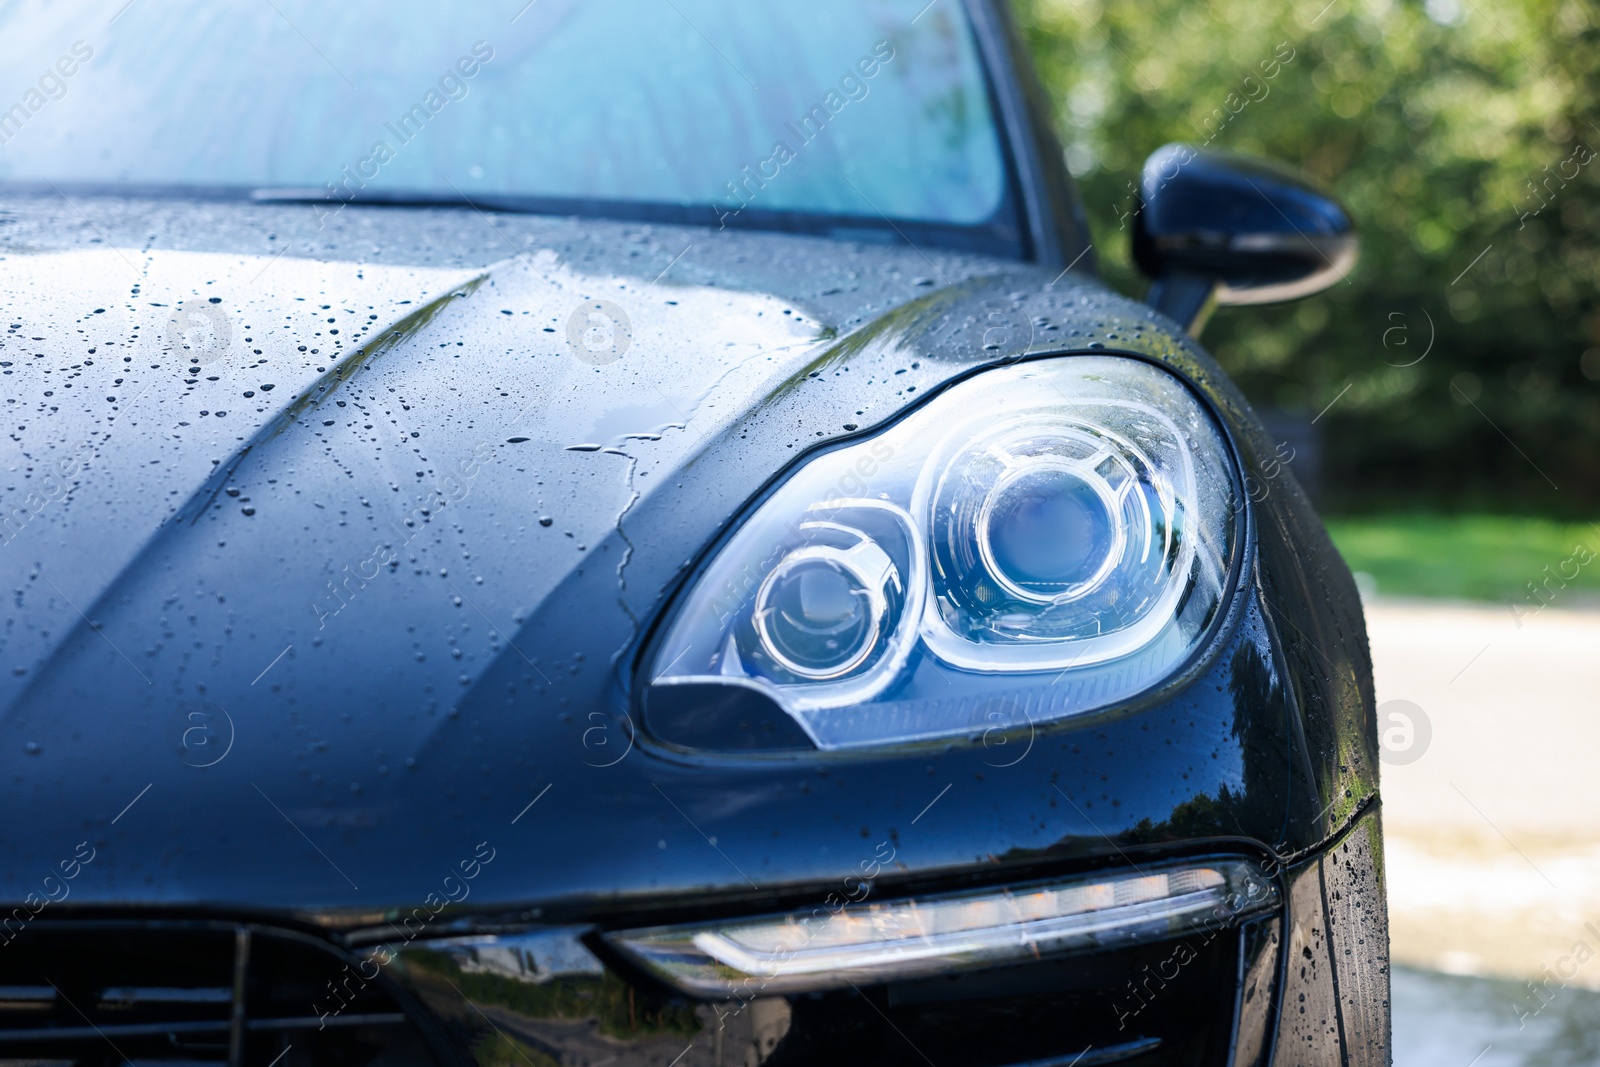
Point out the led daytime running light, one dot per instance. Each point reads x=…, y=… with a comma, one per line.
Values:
x=891, y=940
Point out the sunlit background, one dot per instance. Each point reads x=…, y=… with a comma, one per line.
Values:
x=1444, y=404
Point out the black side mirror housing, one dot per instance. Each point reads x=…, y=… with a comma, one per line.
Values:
x=1216, y=228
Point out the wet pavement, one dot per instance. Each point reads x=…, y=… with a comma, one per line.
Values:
x=1443, y=1020
x=1492, y=826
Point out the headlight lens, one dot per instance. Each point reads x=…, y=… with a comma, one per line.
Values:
x=901, y=939
x=1042, y=540
x=821, y=612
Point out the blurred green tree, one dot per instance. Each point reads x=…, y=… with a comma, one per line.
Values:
x=1464, y=136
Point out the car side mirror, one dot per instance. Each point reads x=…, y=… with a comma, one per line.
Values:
x=1216, y=228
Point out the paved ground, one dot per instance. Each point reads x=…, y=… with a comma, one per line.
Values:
x=1493, y=829
x=1443, y=1020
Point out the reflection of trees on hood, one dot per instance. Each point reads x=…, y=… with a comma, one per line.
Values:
x=1259, y=806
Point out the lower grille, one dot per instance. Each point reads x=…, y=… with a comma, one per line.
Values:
x=110, y=992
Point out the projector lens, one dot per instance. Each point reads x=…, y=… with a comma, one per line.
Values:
x=1049, y=533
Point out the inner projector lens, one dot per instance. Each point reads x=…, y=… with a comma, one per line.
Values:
x=1048, y=532
x=816, y=617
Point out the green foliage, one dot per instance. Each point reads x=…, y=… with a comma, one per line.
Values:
x=618, y=1009
x=496, y=1049
x=1447, y=129
x=1475, y=557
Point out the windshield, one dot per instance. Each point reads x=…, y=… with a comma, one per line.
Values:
x=876, y=111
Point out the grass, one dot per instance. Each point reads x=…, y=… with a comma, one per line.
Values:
x=1471, y=557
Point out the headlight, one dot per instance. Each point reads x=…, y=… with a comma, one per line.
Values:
x=900, y=939
x=1040, y=541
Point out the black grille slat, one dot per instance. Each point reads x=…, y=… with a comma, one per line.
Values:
x=218, y=992
x=118, y=996
x=238, y=994
x=313, y=1022
x=114, y=1031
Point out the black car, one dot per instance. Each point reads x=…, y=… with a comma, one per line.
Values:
x=631, y=532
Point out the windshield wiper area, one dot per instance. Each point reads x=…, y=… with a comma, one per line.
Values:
x=995, y=238
x=998, y=237
x=396, y=198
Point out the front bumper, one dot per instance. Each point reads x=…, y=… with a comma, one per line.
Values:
x=1304, y=984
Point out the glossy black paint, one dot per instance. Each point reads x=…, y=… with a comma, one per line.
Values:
x=551, y=706
x=451, y=745
x=1257, y=230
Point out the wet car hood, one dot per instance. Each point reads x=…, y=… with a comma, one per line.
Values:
x=359, y=598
